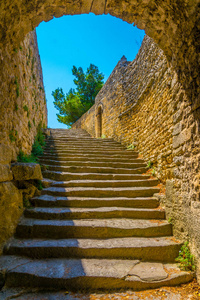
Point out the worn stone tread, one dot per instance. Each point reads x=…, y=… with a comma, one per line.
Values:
x=88, y=169
x=75, y=158
x=88, y=213
x=88, y=156
x=163, y=249
x=102, y=192
x=92, y=228
x=107, y=183
x=129, y=165
x=107, y=153
x=60, y=176
x=85, y=147
x=122, y=223
x=97, y=164
x=56, y=201
x=91, y=274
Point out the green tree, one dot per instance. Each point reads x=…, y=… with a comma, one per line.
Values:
x=76, y=102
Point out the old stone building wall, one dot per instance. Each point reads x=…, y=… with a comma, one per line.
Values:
x=22, y=110
x=144, y=104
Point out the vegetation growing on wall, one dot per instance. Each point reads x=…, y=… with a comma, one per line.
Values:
x=13, y=135
x=185, y=258
x=77, y=101
x=37, y=148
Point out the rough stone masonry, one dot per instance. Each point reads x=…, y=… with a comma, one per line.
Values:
x=144, y=104
x=22, y=110
x=170, y=86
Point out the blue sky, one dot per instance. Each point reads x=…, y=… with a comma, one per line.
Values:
x=81, y=40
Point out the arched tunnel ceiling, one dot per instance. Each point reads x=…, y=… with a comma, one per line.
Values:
x=173, y=24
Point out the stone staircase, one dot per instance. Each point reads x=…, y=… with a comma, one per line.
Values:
x=97, y=225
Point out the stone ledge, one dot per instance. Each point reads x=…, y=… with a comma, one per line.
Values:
x=11, y=207
x=26, y=171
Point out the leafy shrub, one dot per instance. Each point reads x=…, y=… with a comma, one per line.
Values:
x=131, y=147
x=25, y=107
x=39, y=185
x=149, y=164
x=37, y=149
x=26, y=158
x=185, y=258
x=153, y=172
x=40, y=137
x=170, y=221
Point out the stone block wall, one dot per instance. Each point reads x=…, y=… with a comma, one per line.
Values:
x=23, y=103
x=22, y=110
x=144, y=104
x=87, y=121
x=137, y=103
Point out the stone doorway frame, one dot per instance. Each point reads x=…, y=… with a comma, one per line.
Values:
x=99, y=121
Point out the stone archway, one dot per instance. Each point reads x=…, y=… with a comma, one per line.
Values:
x=172, y=24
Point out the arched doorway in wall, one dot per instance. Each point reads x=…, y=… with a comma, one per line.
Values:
x=99, y=122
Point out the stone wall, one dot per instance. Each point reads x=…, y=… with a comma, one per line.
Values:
x=23, y=109
x=138, y=104
x=23, y=103
x=144, y=104
x=87, y=121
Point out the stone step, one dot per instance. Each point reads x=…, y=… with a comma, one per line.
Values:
x=88, y=169
x=72, y=145
x=55, y=136
x=88, y=156
x=101, y=192
x=62, y=176
x=68, y=133
x=84, y=148
x=103, y=152
x=51, y=201
x=106, y=183
x=78, y=139
x=138, y=164
x=72, y=138
x=92, y=228
x=163, y=249
x=83, y=143
x=75, y=158
x=89, y=274
x=60, y=213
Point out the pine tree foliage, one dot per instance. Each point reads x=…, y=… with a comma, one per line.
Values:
x=76, y=102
